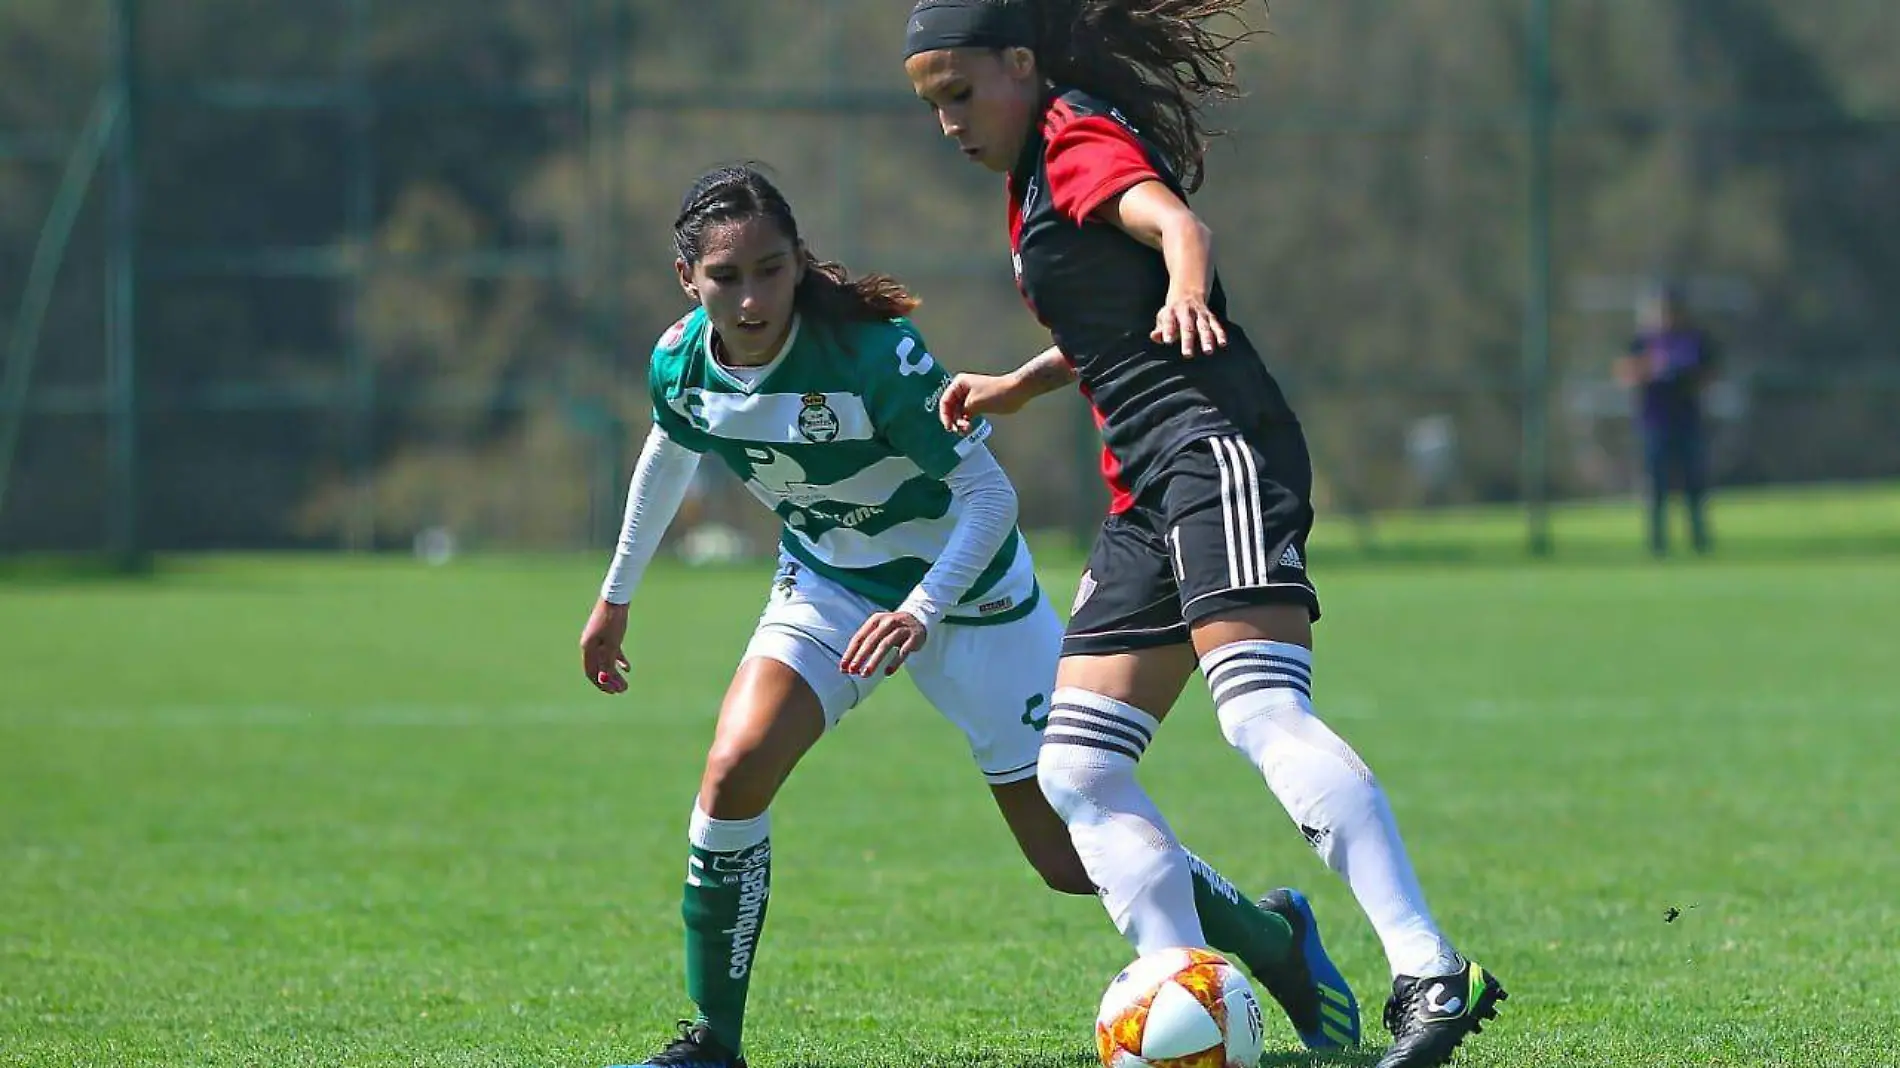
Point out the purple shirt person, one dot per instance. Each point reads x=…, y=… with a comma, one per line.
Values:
x=1667, y=365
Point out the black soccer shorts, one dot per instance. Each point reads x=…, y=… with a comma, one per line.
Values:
x=1222, y=526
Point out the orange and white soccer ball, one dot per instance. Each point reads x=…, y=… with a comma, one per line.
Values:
x=1179, y=1008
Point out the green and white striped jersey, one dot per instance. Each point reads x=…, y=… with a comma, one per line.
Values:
x=839, y=436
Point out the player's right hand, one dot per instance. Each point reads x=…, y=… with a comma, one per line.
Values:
x=601, y=656
x=968, y=396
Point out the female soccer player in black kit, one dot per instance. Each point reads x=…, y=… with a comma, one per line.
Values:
x=1091, y=108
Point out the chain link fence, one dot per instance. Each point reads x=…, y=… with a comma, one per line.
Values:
x=340, y=273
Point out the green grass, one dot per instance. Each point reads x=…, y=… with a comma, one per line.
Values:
x=1751, y=524
x=365, y=812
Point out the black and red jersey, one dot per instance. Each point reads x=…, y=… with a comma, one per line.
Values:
x=1097, y=289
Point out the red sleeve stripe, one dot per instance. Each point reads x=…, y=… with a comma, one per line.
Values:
x=1090, y=160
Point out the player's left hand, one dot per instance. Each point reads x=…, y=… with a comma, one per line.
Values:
x=884, y=641
x=1187, y=318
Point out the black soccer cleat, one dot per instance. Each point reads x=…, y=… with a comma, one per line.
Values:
x=696, y=1047
x=1309, y=987
x=1429, y=1017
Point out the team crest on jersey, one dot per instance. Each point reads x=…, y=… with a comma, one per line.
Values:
x=817, y=422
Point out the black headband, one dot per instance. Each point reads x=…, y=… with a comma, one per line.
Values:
x=969, y=24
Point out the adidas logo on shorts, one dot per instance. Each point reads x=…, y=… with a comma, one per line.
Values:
x=1290, y=557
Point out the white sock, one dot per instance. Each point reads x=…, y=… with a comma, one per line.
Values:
x=1087, y=770
x=727, y=836
x=1263, y=693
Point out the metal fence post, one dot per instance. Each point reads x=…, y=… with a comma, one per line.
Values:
x=358, y=399
x=1536, y=370
x=123, y=536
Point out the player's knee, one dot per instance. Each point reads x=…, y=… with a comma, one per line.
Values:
x=1057, y=784
x=1073, y=782
x=1054, y=856
x=1063, y=872
x=740, y=780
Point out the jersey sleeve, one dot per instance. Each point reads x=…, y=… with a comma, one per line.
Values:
x=903, y=383
x=1091, y=159
x=673, y=404
x=676, y=425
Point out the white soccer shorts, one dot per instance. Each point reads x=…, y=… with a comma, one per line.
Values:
x=992, y=680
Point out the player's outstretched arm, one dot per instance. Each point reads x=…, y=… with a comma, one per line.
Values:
x=1152, y=214
x=986, y=516
x=654, y=495
x=971, y=395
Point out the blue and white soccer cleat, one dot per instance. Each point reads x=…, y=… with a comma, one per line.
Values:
x=1313, y=993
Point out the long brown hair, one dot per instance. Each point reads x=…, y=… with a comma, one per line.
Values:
x=828, y=292
x=1153, y=59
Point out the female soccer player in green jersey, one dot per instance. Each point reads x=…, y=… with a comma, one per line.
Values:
x=898, y=547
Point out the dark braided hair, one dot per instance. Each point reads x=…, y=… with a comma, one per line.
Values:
x=1153, y=59
x=735, y=193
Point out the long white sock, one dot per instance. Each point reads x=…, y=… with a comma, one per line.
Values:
x=1263, y=694
x=1087, y=770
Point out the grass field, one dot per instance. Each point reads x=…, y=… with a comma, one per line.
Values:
x=315, y=811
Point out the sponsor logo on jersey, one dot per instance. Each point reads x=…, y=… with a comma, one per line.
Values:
x=990, y=608
x=674, y=333
x=904, y=365
x=817, y=422
x=851, y=518
x=936, y=396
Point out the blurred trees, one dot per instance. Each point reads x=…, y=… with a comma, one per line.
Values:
x=523, y=162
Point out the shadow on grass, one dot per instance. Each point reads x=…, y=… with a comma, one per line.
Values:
x=963, y=1059
x=1362, y=1057
x=1359, y=1058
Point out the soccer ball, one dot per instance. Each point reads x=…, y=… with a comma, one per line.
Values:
x=1179, y=1008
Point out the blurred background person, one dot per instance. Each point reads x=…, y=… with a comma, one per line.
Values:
x=1669, y=363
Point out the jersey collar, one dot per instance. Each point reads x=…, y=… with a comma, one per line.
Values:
x=751, y=383
x=1029, y=158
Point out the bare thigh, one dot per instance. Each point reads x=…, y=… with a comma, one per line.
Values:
x=1042, y=836
x=769, y=720
x=1149, y=679
x=1289, y=623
